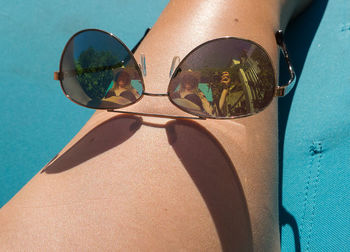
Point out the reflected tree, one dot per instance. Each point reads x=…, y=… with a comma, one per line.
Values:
x=95, y=71
x=264, y=86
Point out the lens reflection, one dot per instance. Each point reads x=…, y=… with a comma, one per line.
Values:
x=99, y=72
x=224, y=78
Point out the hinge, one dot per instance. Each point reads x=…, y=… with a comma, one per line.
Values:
x=280, y=91
x=57, y=76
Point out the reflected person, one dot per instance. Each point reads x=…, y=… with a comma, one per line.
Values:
x=232, y=97
x=122, y=92
x=195, y=99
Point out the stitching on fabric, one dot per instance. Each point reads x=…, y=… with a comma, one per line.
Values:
x=316, y=152
x=345, y=27
x=306, y=193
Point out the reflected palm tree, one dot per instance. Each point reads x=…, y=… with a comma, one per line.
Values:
x=94, y=71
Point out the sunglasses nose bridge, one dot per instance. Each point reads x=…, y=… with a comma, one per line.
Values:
x=154, y=94
x=175, y=62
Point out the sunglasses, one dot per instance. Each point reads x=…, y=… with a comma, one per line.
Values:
x=223, y=78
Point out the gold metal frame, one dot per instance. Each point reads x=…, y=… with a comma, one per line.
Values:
x=279, y=90
x=285, y=89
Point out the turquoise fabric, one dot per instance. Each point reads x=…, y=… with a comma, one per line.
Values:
x=37, y=120
x=315, y=132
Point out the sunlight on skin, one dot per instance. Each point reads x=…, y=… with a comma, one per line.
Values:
x=242, y=139
x=152, y=200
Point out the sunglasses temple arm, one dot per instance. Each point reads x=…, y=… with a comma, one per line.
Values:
x=138, y=43
x=284, y=90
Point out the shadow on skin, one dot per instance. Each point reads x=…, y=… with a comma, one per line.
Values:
x=203, y=157
x=213, y=173
x=102, y=138
x=299, y=36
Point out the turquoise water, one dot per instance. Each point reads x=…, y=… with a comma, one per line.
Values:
x=37, y=120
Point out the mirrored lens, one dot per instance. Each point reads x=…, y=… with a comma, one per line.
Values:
x=226, y=78
x=100, y=72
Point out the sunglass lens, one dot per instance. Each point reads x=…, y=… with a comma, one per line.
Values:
x=225, y=78
x=99, y=71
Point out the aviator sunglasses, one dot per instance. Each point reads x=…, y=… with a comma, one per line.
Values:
x=223, y=78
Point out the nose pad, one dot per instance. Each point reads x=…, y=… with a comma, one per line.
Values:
x=143, y=64
x=174, y=64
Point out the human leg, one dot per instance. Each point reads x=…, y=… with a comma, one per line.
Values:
x=156, y=195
